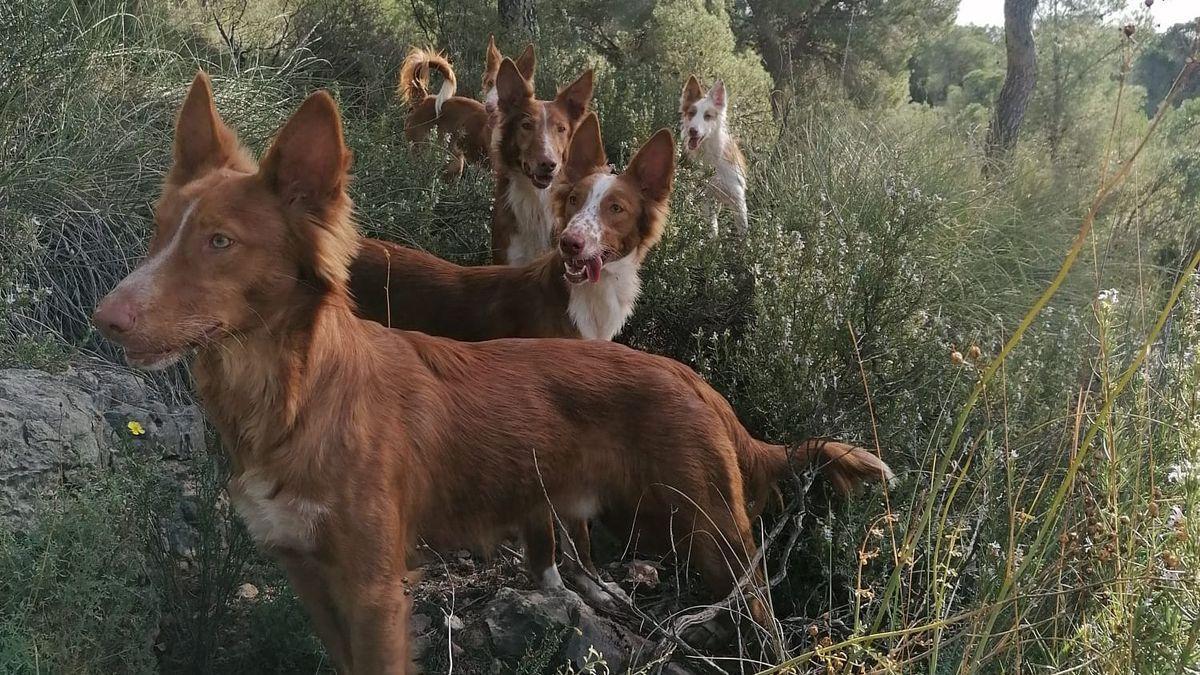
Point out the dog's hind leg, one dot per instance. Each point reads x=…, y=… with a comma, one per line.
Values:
x=455, y=165
x=538, y=537
x=741, y=216
x=577, y=545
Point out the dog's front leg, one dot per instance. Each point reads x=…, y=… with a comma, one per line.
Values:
x=379, y=628
x=314, y=593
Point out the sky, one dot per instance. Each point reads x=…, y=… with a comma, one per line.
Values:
x=1166, y=13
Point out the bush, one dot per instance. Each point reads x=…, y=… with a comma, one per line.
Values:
x=75, y=594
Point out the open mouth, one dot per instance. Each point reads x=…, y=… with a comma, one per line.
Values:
x=152, y=359
x=693, y=142
x=579, y=270
x=541, y=181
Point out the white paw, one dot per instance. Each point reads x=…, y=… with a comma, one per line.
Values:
x=617, y=592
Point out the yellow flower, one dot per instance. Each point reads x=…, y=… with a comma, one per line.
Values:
x=135, y=428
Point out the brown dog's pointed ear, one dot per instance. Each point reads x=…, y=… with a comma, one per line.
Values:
x=202, y=141
x=576, y=96
x=511, y=89
x=586, y=155
x=526, y=62
x=691, y=93
x=653, y=167
x=493, y=54
x=308, y=162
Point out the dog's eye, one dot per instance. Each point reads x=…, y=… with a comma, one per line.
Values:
x=616, y=208
x=708, y=116
x=219, y=241
x=562, y=129
x=572, y=199
x=527, y=125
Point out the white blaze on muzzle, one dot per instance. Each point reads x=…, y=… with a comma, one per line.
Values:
x=587, y=221
x=144, y=278
x=588, y=225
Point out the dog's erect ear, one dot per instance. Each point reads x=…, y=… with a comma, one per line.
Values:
x=526, y=62
x=576, y=97
x=493, y=55
x=511, y=89
x=653, y=167
x=202, y=141
x=691, y=93
x=308, y=162
x=717, y=94
x=586, y=155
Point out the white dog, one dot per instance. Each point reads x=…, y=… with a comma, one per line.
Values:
x=705, y=136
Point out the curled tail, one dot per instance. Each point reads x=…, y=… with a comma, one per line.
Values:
x=413, y=85
x=846, y=466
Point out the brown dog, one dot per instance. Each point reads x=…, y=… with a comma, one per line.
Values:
x=351, y=443
x=529, y=146
x=554, y=296
x=466, y=121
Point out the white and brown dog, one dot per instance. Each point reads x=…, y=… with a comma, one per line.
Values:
x=704, y=134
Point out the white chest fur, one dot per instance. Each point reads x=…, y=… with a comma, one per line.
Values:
x=599, y=310
x=535, y=222
x=274, y=518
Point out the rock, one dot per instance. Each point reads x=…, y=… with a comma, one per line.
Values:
x=247, y=592
x=52, y=425
x=420, y=623
x=520, y=621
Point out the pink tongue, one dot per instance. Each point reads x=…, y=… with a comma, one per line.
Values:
x=593, y=269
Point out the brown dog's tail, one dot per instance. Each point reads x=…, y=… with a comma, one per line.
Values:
x=846, y=466
x=413, y=84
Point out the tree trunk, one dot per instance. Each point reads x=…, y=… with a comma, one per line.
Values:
x=1019, y=80
x=518, y=17
x=776, y=55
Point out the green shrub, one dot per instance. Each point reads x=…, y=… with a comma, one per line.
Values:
x=75, y=593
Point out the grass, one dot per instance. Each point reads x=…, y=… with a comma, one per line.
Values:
x=1046, y=514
